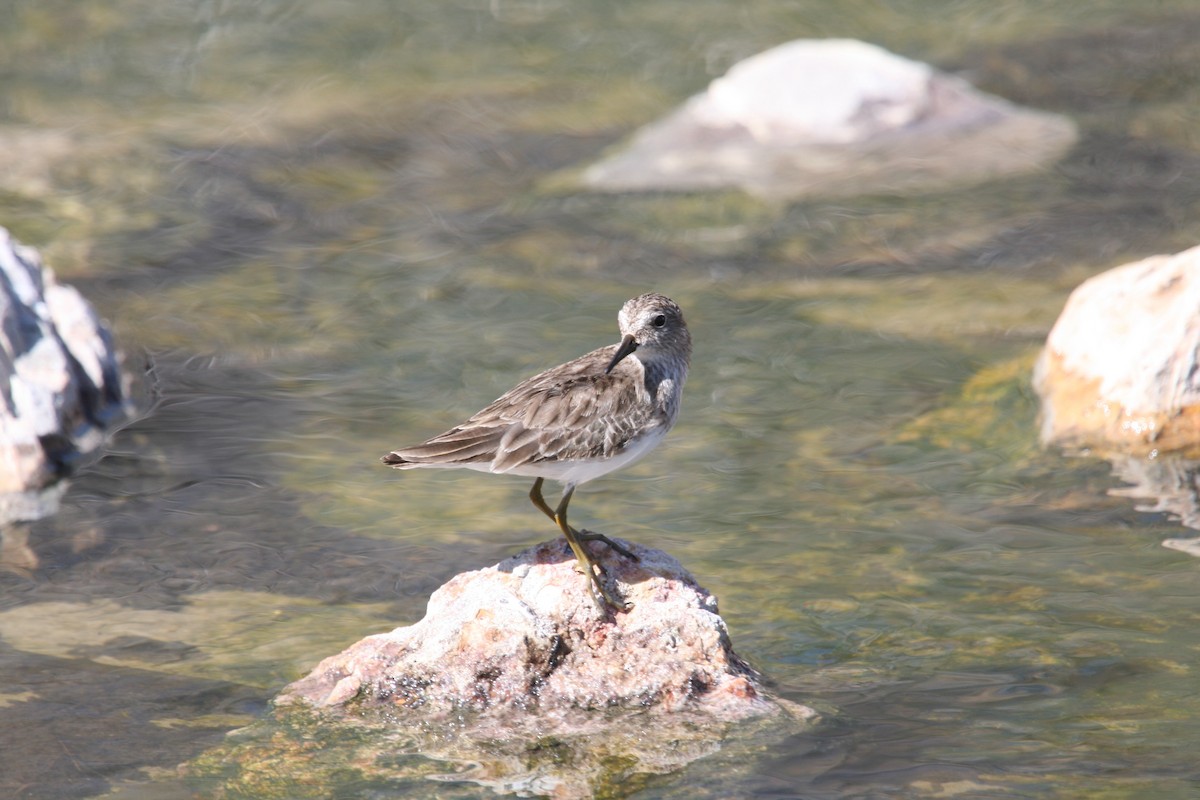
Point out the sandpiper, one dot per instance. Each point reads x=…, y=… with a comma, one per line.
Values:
x=578, y=421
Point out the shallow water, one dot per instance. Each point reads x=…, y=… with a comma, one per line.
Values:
x=337, y=228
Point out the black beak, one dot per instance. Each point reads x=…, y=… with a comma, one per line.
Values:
x=627, y=346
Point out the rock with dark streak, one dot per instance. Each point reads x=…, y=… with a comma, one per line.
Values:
x=61, y=383
x=524, y=638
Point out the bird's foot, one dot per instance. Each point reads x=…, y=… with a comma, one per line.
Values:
x=609, y=596
x=588, y=536
x=601, y=594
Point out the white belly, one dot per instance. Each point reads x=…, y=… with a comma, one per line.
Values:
x=583, y=471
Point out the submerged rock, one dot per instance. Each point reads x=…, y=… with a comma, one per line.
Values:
x=524, y=638
x=61, y=384
x=833, y=117
x=296, y=753
x=1121, y=367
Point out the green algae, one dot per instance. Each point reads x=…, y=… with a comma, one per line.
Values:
x=250, y=638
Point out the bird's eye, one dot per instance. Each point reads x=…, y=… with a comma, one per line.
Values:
x=659, y=321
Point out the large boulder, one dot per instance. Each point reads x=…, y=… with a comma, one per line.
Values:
x=1121, y=368
x=833, y=116
x=61, y=383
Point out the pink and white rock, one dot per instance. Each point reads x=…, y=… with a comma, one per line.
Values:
x=833, y=116
x=1121, y=367
x=523, y=640
x=514, y=676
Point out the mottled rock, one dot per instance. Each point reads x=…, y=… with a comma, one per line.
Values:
x=61, y=384
x=833, y=117
x=516, y=679
x=1121, y=367
x=524, y=638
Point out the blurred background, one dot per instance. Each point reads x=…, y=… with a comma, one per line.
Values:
x=333, y=228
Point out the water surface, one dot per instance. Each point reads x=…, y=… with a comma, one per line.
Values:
x=336, y=228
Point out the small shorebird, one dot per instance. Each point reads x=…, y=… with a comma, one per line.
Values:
x=577, y=421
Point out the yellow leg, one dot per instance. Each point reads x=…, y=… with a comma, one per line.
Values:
x=535, y=494
x=595, y=571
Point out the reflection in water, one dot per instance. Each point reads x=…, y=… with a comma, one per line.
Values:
x=15, y=552
x=578, y=755
x=17, y=510
x=1171, y=482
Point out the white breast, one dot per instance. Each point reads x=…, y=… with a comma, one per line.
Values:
x=583, y=471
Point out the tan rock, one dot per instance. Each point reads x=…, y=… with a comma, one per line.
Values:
x=1121, y=367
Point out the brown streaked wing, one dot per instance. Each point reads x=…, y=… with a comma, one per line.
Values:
x=461, y=445
x=574, y=411
x=568, y=413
